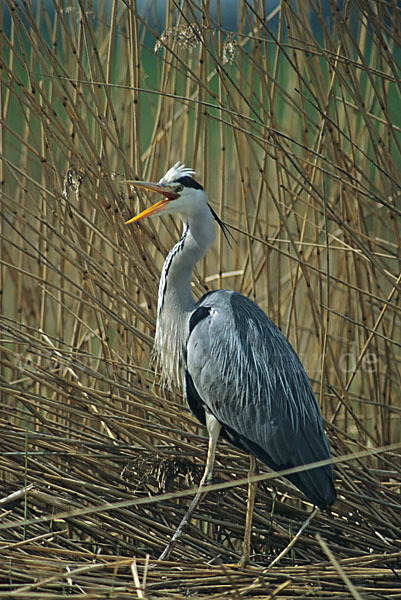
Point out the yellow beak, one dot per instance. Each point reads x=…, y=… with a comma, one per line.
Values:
x=157, y=208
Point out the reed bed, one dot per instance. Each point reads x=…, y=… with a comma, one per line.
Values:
x=291, y=117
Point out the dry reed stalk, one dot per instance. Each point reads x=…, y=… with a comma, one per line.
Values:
x=293, y=125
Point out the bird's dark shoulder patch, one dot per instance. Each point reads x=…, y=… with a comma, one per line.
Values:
x=198, y=315
x=189, y=182
x=195, y=402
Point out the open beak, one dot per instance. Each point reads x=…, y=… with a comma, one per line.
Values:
x=157, y=208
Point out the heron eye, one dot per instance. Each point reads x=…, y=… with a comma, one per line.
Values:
x=179, y=188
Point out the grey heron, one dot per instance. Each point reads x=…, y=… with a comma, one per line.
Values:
x=242, y=378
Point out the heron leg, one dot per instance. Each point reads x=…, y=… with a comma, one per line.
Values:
x=252, y=487
x=213, y=428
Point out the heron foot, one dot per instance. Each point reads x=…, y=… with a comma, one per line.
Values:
x=243, y=562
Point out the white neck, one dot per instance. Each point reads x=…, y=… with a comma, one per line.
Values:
x=176, y=302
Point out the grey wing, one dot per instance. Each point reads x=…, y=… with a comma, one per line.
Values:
x=248, y=375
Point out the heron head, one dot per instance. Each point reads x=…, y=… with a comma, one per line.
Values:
x=182, y=194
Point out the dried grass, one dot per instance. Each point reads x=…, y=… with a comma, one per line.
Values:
x=294, y=130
